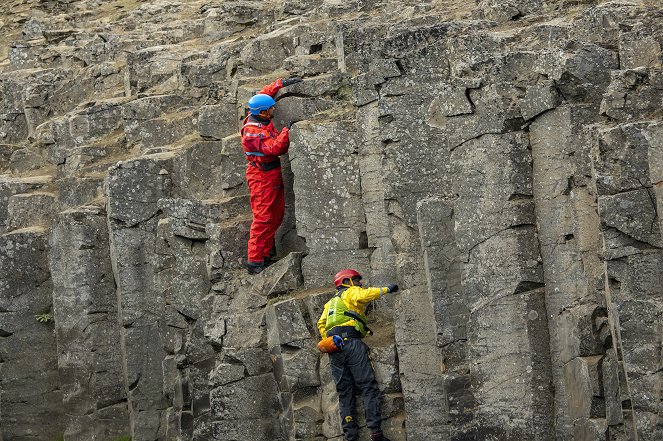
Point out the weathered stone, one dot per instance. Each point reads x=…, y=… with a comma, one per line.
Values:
x=611, y=391
x=151, y=107
x=587, y=429
x=153, y=66
x=233, y=167
x=53, y=136
x=227, y=245
x=30, y=209
x=25, y=160
x=515, y=278
x=236, y=330
x=75, y=191
x=584, y=384
x=132, y=224
x=10, y=186
x=24, y=55
x=82, y=132
x=420, y=365
x=638, y=304
x=599, y=23
x=85, y=307
x=298, y=6
x=508, y=10
x=654, y=136
x=218, y=121
x=183, y=284
x=330, y=84
x=507, y=177
x=137, y=186
x=283, y=276
x=632, y=213
x=319, y=269
x=95, y=121
x=160, y=121
x=309, y=65
x=53, y=92
x=294, y=108
x=246, y=399
x=633, y=94
x=443, y=264
x=90, y=157
x=295, y=360
x=308, y=421
x=231, y=17
x=488, y=117
x=269, y=50
x=30, y=381
x=224, y=374
x=198, y=73
x=33, y=29
x=453, y=101
x=638, y=51
x=164, y=131
x=621, y=159
x=493, y=180
x=245, y=429
x=407, y=166
x=286, y=324
x=13, y=128
x=188, y=218
x=577, y=333
x=6, y=152
x=337, y=211
x=539, y=98
x=585, y=74
x=256, y=360
x=384, y=363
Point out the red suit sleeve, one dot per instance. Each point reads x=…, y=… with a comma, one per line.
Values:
x=271, y=89
x=258, y=140
x=276, y=146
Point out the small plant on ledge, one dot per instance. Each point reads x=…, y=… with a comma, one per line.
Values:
x=45, y=317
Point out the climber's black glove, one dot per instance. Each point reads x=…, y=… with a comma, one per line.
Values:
x=392, y=288
x=290, y=124
x=290, y=81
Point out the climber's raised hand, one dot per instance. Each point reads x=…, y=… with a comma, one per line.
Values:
x=290, y=81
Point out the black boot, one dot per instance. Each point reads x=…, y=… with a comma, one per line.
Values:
x=378, y=436
x=255, y=267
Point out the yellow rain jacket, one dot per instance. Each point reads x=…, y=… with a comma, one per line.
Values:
x=355, y=298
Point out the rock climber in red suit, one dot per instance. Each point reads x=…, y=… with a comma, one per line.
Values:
x=263, y=145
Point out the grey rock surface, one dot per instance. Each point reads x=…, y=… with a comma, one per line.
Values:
x=501, y=161
x=87, y=330
x=30, y=377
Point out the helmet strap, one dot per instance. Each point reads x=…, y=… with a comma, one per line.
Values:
x=266, y=113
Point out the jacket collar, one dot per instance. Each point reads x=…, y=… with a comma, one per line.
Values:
x=259, y=119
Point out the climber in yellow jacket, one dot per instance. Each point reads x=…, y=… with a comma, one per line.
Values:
x=344, y=318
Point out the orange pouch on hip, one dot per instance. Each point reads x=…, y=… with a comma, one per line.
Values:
x=327, y=345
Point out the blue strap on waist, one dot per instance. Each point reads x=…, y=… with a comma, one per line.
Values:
x=254, y=154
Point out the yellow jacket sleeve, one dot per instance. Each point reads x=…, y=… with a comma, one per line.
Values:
x=322, y=321
x=364, y=295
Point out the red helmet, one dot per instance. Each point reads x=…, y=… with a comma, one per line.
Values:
x=345, y=274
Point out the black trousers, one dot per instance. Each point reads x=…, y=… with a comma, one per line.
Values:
x=351, y=367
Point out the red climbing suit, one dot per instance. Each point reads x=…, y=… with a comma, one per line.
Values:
x=262, y=145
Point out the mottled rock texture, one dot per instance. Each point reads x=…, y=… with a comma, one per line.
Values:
x=502, y=161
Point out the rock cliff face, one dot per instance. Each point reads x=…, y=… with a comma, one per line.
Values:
x=502, y=161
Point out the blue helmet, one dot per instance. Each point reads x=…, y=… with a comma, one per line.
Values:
x=260, y=102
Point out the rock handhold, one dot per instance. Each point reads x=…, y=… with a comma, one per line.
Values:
x=283, y=276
